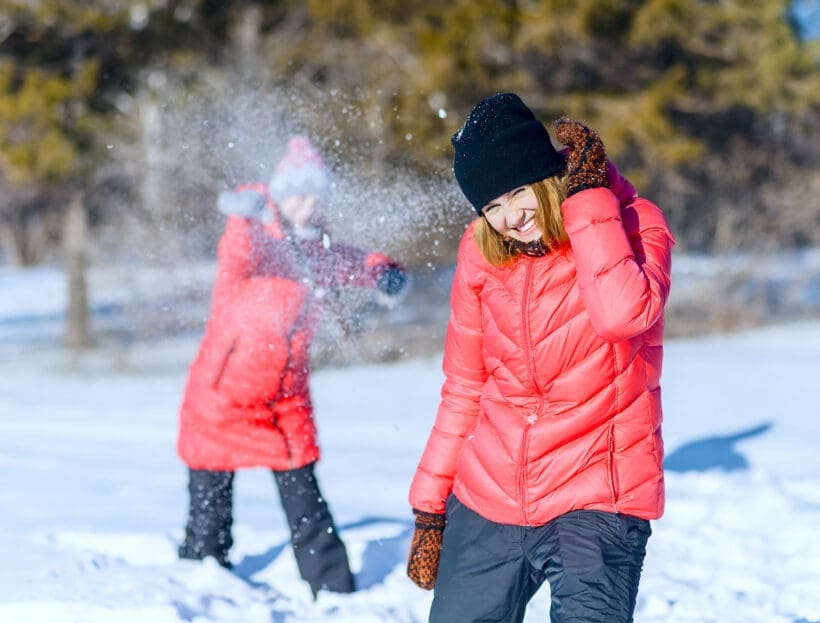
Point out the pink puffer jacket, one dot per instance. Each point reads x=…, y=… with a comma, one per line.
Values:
x=551, y=400
x=247, y=399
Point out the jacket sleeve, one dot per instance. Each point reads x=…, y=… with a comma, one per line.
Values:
x=234, y=263
x=465, y=376
x=346, y=265
x=622, y=248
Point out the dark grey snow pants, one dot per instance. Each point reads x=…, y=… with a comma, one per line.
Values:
x=320, y=553
x=488, y=571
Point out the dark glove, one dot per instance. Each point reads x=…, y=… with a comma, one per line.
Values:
x=392, y=280
x=586, y=161
x=425, y=549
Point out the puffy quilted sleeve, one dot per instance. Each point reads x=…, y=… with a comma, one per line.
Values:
x=623, y=252
x=465, y=376
x=234, y=263
x=621, y=187
x=345, y=265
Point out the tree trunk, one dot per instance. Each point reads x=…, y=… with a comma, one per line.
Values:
x=75, y=248
x=245, y=37
x=11, y=245
x=152, y=174
x=25, y=239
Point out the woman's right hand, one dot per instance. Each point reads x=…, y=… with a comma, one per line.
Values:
x=425, y=549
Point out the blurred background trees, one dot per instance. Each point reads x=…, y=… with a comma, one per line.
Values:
x=127, y=118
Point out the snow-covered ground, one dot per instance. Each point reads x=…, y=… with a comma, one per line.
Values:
x=93, y=497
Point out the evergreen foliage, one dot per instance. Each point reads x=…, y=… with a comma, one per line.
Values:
x=712, y=108
x=689, y=96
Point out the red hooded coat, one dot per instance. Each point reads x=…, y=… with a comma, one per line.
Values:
x=247, y=400
x=551, y=400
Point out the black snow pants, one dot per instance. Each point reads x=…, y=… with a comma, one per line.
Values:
x=489, y=572
x=320, y=553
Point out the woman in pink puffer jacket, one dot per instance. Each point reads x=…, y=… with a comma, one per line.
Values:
x=545, y=460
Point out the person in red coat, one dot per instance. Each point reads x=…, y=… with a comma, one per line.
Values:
x=545, y=459
x=247, y=401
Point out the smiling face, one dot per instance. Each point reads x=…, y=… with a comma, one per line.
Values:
x=513, y=214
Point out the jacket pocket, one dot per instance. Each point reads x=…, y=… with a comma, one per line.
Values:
x=220, y=371
x=613, y=469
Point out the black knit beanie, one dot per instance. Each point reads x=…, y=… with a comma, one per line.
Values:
x=500, y=147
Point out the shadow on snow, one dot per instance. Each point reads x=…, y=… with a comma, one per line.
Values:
x=380, y=557
x=713, y=453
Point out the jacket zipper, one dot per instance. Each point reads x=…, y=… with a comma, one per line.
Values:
x=279, y=394
x=290, y=335
x=531, y=419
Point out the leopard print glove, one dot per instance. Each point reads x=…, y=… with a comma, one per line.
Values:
x=425, y=549
x=586, y=160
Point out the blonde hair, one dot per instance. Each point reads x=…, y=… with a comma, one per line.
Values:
x=550, y=193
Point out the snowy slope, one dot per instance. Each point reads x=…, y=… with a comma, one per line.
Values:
x=94, y=497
